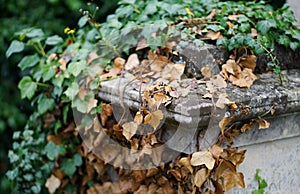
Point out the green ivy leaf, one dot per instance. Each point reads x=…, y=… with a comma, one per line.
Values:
x=72, y=91
x=213, y=27
x=27, y=87
x=263, y=184
x=35, y=33
x=294, y=45
x=15, y=47
x=52, y=150
x=28, y=61
x=69, y=165
x=45, y=104
x=54, y=40
x=76, y=67
x=83, y=20
x=81, y=105
x=48, y=72
x=265, y=25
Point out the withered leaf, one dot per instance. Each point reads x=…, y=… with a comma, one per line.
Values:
x=119, y=62
x=230, y=177
x=203, y=157
x=106, y=112
x=222, y=101
x=92, y=103
x=156, y=117
x=52, y=183
x=246, y=127
x=248, y=62
x=224, y=122
x=263, y=124
x=173, y=71
x=245, y=78
x=129, y=129
x=213, y=35
x=138, y=118
x=200, y=177
x=132, y=62
x=205, y=71
x=234, y=17
x=186, y=162
x=216, y=151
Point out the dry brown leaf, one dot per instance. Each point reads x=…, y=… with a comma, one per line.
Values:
x=230, y=68
x=213, y=35
x=152, y=172
x=263, y=124
x=132, y=62
x=186, y=162
x=52, y=183
x=203, y=157
x=92, y=103
x=224, y=122
x=176, y=173
x=200, y=177
x=234, y=17
x=248, y=62
x=138, y=118
x=156, y=117
x=129, y=129
x=245, y=79
x=226, y=172
x=218, y=81
x=222, y=100
x=119, y=62
x=205, y=71
x=254, y=32
x=106, y=112
x=211, y=15
x=142, y=190
x=142, y=43
x=173, y=71
x=230, y=25
x=246, y=127
x=81, y=93
x=113, y=72
x=180, y=191
x=216, y=151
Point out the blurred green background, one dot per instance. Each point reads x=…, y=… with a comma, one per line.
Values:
x=50, y=15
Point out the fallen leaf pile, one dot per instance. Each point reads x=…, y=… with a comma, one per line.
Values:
x=158, y=81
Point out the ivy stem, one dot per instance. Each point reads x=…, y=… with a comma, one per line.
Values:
x=42, y=84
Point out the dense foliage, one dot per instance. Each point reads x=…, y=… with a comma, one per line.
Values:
x=53, y=16
x=52, y=70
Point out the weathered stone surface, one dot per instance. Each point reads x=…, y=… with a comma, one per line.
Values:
x=198, y=57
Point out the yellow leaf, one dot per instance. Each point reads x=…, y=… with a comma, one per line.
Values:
x=138, y=118
x=203, y=157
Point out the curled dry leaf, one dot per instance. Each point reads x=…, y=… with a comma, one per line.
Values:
x=132, y=62
x=224, y=122
x=129, y=129
x=106, y=112
x=248, y=62
x=52, y=183
x=119, y=62
x=203, y=157
x=247, y=126
x=263, y=124
x=245, y=78
x=200, y=177
x=226, y=173
x=186, y=162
